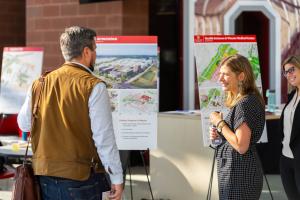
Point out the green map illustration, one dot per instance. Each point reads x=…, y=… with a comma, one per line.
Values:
x=208, y=58
x=213, y=98
x=223, y=51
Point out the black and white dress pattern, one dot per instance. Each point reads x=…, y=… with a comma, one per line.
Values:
x=240, y=177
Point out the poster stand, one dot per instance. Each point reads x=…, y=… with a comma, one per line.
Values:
x=265, y=177
x=142, y=152
x=130, y=66
x=208, y=196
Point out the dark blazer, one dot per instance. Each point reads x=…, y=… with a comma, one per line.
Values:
x=295, y=135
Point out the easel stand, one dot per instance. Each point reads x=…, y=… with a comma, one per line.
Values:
x=142, y=152
x=208, y=196
x=265, y=177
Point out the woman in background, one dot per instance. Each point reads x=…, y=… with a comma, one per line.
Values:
x=290, y=131
x=240, y=175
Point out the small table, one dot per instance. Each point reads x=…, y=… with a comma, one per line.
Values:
x=14, y=149
x=9, y=139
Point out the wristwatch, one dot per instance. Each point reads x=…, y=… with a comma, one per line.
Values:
x=220, y=126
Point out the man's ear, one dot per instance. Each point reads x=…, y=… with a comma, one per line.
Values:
x=85, y=51
x=84, y=58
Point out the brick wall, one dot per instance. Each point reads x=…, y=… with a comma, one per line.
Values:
x=135, y=17
x=46, y=19
x=12, y=24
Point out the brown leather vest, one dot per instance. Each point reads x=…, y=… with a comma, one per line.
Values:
x=62, y=140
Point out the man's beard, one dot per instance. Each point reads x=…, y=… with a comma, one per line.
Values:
x=92, y=66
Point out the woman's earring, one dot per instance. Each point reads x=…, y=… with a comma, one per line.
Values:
x=240, y=84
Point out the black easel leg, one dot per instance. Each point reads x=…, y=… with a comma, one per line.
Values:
x=208, y=196
x=146, y=171
x=265, y=177
x=268, y=186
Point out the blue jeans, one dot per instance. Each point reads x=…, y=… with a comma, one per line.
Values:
x=54, y=188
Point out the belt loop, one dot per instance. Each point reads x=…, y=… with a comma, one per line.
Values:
x=94, y=165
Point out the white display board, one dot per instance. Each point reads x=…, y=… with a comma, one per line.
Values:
x=20, y=67
x=209, y=51
x=129, y=65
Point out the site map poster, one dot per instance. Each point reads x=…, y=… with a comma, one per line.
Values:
x=129, y=66
x=209, y=51
x=20, y=67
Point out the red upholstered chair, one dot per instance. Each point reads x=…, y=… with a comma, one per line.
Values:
x=7, y=174
x=8, y=124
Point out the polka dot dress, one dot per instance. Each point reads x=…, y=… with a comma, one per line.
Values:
x=240, y=177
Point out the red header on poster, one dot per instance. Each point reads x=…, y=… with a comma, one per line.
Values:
x=126, y=39
x=224, y=38
x=23, y=49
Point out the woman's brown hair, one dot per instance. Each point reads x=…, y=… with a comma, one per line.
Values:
x=238, y=64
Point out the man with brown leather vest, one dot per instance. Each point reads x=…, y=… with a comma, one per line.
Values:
x=73, y=140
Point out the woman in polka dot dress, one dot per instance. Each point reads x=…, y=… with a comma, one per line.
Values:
x=240, y=174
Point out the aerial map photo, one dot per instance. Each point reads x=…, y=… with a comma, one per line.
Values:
x=128, y=70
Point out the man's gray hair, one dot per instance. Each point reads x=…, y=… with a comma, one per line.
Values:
x=73, y=41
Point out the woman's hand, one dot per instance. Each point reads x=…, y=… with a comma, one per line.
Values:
x=215, y=118
x=213, y=133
